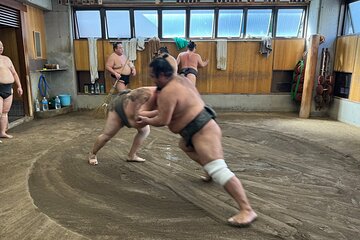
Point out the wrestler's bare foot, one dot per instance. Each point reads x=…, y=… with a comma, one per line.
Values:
x=135, y=159
x=243, y=219
x=5, y=135
x=92, y=159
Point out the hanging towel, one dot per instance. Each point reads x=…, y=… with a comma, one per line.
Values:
x=94, y=75
x=132, y=49
x=154, y=45
x=221, y=54
x=126, y=46
x=140, y=44
x=180, y=43
x=265, y=46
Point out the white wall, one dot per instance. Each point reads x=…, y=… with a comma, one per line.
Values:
x=346, y=111
x=59, y=46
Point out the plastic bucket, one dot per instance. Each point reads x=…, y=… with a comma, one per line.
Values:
x=65, y=100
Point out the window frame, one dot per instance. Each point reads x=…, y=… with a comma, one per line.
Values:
x=76, y=24
x=213, y=28
x=187, y=9
x=345, y=19
x=304, y=21
x=106, y=29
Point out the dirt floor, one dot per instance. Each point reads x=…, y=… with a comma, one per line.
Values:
x=301, y=176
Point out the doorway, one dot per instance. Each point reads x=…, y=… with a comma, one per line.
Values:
x=10, y=40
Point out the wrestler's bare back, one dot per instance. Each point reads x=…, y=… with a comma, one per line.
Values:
x=144, y=102
x=189, y=59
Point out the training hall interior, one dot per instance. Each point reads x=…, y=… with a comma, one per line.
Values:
x=282, y=75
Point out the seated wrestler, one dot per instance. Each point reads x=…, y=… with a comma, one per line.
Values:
x=120, y=67
x=123, y=110
x=190, y=61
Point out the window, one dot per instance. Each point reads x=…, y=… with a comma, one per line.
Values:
x=114, y=29
x=37, y=44
x=352, y=18
x=188, y=22
x=146, y=23
x=258, y=22
x=230, y=22
x=342, y=84
x=88, y=24
x=173, y=23
x=289, y=23
x=201, y=23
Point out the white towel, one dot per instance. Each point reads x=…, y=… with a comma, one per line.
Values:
x=141, y=44
x=265, y=46
x=94, y=74
x=132, y=49
x=221, y=54
x=126, y=45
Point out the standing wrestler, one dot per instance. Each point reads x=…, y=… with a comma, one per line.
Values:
x=8, y=77
x=190, y=61
x=181, y=108
x=123, y=110
x=120, y=67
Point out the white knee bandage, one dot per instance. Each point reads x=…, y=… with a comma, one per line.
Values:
x=219, y=171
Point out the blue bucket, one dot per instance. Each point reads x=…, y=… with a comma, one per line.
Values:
x=65, y=100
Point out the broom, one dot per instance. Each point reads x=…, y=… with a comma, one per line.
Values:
x=101, y=111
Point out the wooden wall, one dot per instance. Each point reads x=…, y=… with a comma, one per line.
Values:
x=247, y=72
x=35, y=22
x=345, y=54
x=354, y=94
x=347, y=59
x=287, y=53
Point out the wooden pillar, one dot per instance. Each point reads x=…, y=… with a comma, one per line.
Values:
x=311, y=62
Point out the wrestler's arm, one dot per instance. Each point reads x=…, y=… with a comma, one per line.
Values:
x=16, y=77
x=132, y=67
x=149, y=114
x=202, y=63
x=166, y=105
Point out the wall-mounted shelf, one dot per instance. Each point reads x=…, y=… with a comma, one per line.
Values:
x=52, y=70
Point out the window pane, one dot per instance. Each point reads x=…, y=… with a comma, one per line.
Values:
x=229, y=23
x=258, y=22
x=289, y=23
x=354, y=9
x=89, y=23
x=146, y=23
x=173, y=23
x=116, y=30
x=201, y=23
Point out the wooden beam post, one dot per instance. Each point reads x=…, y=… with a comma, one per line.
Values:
x=310, y=69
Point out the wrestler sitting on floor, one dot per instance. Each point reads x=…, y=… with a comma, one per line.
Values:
x=123, y=111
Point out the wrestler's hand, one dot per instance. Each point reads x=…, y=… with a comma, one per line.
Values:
x=133, y=71
x=141, y=120
x=117, y=75
x=20, y=91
